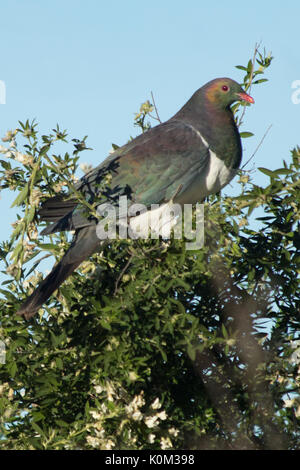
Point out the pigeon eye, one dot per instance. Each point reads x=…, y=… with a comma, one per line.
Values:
x=225, y=88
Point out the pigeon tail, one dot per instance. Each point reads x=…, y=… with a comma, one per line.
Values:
x=84, y=245
x=57, y=276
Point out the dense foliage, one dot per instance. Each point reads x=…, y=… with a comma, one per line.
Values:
x=150, y=345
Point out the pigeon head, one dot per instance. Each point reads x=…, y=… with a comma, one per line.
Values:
x=223, y=92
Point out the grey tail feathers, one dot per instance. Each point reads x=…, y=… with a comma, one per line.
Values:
x=58, y=275
x=84, y=245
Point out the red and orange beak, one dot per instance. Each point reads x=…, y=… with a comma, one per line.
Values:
x=245, y=97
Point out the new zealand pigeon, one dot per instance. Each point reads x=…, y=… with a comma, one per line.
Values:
x=195, y=153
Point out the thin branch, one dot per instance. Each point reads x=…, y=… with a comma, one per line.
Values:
x=157, y=115
x=256, y=47
x=176, y=192
x=259, y=145
x=121, y=274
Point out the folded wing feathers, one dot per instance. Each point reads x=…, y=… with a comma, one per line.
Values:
x=55, y=208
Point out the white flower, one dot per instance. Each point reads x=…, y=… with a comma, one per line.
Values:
x=34, y=279
x=289, y=403
x=86, y=167
x=93, y=441
x=165, y=443
x=110, y=391
x=95, y=414
x=100, y=433
x=3, y=387
x=9, y=136
x=109, y=445
x=33, y=233
x=35, y=196
x=132, y=376
x=58, y=186
x=103, y=407
x=156, y=404
x=151, y=438
x=3, y=149
x=151, y=421
x=138, y=400
x=162, y=415
x=133, y=407
x=98, y=388
x=137, y=416
x=174, y=432
x=295, y=356
x=12, y=270
x=24, y=159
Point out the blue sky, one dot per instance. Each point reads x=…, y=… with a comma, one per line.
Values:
x=88, y=65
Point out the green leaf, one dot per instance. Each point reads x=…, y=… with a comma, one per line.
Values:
x=36, y=427
x=17, y=250
x=261, y=80
x=13, y=369
x=244, y=135
x=267, y=172
x=283, y=171
x=61, y=423
x=191, y=350
x=21, y=196
x=115, y=146
x=6, y=165
x=224, y=331
x=44, y=150
x=31, y=214
x=249, y=66
x=17, y=231
x=48, y=247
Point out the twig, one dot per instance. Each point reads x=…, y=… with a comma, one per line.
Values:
x=176, y=192
x=157, y=115
x=259, y=145
x=256, y=47
x=72, y=188
x=121, y=274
